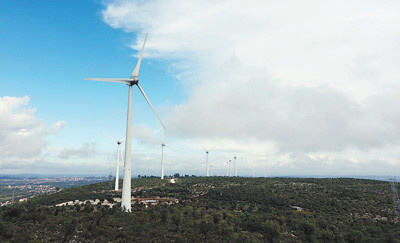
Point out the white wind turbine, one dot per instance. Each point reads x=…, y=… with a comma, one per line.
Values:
x=162, y=154
x=133, y=80
x=207, y=151
x=235, y=167
x=116, y=188
x=227, y=168
x=229, y=165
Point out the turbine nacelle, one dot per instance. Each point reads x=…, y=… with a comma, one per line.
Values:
x=133, y=81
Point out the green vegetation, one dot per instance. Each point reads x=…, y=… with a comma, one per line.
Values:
x=214, y=209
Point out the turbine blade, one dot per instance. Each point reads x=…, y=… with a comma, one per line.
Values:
x=136, y=70
x=162, y=135
x=122, y=140
x=170, y=148
x=114, y=80
x=203, y=148
x=148, y=101
x=111, y=138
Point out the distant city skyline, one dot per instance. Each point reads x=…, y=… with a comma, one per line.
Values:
x=301, y=89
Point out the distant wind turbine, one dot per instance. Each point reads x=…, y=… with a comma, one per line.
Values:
x=235, y=167
x=207, y=151
x=134, y=80
x=116, y=188
x=227, y=168
x=211, y=174
x=230, y=162
x=162, y=154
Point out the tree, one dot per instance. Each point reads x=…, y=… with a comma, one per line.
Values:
x=3, y=232
x=271, y=231
x=69, y=228
x=354, y=236
x=309, y=230
x=205, y=227
x=177, y=218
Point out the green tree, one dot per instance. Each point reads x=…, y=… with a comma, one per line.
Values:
x=271, y=231
x=69, y=228
x=205, y=227
x=354, y=236
x=309, y=229
x=177, y=218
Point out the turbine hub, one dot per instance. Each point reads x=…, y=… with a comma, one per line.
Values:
x=135, y=80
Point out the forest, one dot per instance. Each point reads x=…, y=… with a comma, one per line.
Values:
x=212, y=209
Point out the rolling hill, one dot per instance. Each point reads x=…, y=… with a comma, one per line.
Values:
x=212, y=209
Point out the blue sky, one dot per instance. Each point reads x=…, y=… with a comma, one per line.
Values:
x=307, y=89
x=49, y=47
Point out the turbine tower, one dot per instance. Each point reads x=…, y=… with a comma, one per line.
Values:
x=229, y=165
x=211, y=174
x=207, y=151
x=133, y=80
x=235, y=167
x=162, y=154
x=227, y=168
x=116, y=188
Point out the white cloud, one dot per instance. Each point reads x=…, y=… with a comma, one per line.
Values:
x=56, y=127
x=85, y=151
x=22, y=134
x=308, y=42
x=145, y=135
x=303, y=77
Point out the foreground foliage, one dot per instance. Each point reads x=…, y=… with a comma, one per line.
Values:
x=214, y=209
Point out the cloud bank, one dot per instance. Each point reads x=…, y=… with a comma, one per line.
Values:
x=307, y=78
x=85, y=151
x=22, y=134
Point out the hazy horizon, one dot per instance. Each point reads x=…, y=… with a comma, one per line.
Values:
x=372, y=177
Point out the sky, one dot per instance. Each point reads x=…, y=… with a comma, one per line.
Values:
x=290, y=88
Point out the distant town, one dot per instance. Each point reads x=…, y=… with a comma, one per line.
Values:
x=21, y=188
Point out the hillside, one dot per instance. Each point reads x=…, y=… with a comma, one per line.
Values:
x=213, y=209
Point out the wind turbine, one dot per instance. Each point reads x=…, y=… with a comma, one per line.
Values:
x=230, y=162
x=207, y=151
x=162, y=154
x=211, y=174
x=116, y=188
x=235, y=167
x=133, y=80
x=227, y=168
